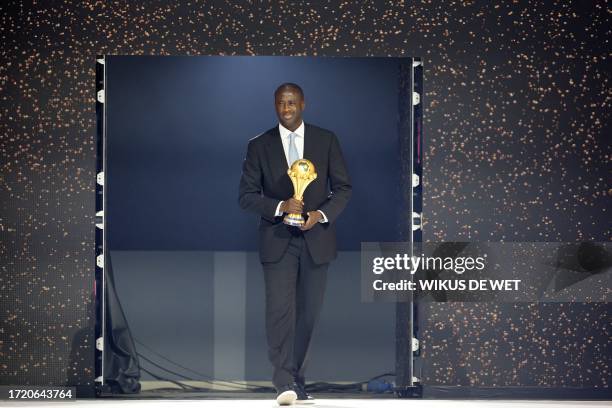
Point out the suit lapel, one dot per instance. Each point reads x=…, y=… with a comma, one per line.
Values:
x=278, y=164
x=312, y=153
x=275, y=151
x=309, y=143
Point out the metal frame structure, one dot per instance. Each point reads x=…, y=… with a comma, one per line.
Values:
x=100, y=221
x=407, y=345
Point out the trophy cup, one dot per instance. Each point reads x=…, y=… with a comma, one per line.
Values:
x=301, y=173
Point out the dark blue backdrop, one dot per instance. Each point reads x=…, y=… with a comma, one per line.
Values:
x=177, y=130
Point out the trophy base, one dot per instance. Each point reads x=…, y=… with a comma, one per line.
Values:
x=295, y=220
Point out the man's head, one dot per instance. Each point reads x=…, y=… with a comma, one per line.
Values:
x=289, y=103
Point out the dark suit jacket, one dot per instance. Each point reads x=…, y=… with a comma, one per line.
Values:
x=264, y=183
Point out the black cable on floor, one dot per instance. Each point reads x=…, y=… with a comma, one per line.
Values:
x=312, y=387
x=181, y=385
x=230, y=384
x=334, y=387
x=235, y=387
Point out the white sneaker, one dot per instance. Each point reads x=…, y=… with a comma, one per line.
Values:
x=287, y=397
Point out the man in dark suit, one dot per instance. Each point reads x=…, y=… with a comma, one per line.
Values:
x=294, y=260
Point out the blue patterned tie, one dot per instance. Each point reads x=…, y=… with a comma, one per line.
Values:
x=293, y=153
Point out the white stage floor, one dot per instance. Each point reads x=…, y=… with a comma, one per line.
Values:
x=321, y=403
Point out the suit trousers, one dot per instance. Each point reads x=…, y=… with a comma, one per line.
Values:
x=295, y=286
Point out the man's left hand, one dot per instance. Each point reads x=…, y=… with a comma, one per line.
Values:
x=313, y=218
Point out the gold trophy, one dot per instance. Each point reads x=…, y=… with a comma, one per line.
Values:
x=301, y=173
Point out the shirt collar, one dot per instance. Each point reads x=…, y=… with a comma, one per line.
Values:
x=284, y=132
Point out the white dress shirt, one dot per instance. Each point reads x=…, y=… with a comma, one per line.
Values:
x=299, y=144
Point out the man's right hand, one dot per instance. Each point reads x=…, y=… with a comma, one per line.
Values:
x=292, y=206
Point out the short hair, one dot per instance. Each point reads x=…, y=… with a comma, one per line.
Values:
x=289, y=85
